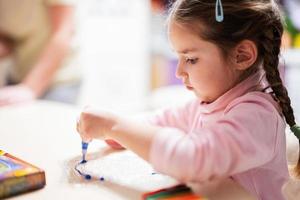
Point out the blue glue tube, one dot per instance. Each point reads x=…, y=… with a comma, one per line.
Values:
x=84, y=147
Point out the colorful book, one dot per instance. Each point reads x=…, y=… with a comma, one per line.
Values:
x=18, y=176
x=178, y=192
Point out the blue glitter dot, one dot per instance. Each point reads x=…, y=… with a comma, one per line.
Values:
x=87, y=177
x=101, y=178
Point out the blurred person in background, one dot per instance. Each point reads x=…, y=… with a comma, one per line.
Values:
x=38, y=58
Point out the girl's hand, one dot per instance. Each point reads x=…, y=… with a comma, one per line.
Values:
x=97, y=124
x=113, y=144
x=16, y=94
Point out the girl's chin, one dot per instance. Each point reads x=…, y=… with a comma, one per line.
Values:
x=203, y=99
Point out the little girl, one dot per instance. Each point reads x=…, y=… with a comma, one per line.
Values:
x=228, y=56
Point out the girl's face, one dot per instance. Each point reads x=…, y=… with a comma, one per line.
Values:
x=201, y=65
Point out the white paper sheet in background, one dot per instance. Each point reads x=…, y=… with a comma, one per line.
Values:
x=116, y=59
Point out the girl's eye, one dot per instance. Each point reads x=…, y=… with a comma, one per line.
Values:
x=191, y=60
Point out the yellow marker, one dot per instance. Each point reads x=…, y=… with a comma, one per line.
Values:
x=2, y=153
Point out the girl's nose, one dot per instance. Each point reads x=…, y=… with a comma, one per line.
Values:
x=180, y=73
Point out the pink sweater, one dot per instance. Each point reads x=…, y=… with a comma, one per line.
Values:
x=240, y=135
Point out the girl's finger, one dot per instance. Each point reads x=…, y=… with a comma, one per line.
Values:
x=78, y=124
x=77, y=127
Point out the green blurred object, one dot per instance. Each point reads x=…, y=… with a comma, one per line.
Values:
x=293, y=31
x=296, y=130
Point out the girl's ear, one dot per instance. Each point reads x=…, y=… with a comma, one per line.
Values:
x=245, y=54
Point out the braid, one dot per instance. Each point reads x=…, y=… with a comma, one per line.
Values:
x=271, y=48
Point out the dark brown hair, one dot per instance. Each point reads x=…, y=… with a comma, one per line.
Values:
x=257, y=20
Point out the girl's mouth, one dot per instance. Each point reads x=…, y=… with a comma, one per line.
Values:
x=189, y=88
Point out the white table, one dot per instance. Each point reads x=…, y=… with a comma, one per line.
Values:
x=43, y=133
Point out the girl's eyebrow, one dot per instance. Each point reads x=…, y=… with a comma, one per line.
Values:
x=185, y=51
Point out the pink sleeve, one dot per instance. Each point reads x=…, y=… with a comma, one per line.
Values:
x=174, y=117
x=243, y=138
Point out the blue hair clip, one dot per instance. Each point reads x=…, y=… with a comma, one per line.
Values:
x=219, y=11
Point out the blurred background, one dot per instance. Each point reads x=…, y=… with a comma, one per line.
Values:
x=128, y=62
x=125, y=59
